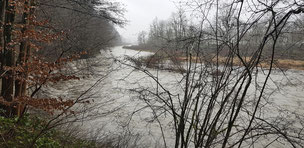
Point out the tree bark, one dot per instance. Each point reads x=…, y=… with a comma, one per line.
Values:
x=2, y=19
x=20, y=84
x=8, y=59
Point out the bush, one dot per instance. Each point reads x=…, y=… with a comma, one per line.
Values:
x=20, y=132
x=158, y=61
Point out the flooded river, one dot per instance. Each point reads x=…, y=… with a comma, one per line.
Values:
x=117, y=111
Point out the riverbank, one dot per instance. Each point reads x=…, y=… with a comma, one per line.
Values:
x=283, y=64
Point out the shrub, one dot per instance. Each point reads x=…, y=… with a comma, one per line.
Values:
x=20, y=132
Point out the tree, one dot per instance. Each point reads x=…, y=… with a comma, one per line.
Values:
x=88, y=25
x=223, y=101
x=142, y=38
x=170, y=34
x=26, y=41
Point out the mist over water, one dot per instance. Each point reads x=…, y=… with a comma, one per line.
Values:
x=140, y=14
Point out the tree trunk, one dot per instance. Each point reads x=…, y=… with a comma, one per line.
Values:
x=2, y=19
x=8, y=60
x=20, y=85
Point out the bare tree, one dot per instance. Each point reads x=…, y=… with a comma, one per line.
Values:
x=222, y=98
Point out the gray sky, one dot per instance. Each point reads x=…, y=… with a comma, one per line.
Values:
x=140, y=14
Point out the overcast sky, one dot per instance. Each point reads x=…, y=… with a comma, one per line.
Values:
x=140, y=14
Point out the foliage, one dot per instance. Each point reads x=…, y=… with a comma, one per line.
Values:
x=23, y=130
x=27, y=64
x=21, y=65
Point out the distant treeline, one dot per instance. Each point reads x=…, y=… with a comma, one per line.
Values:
x=179, y=31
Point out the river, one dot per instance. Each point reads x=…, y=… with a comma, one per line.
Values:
x=118, y=112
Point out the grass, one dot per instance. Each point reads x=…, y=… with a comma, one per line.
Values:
x=19, y=133
x=278, y=63
x=290, y=64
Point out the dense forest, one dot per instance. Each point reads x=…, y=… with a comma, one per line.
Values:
x=38, y=39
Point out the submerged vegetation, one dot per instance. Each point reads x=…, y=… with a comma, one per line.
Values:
x=159, y=60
